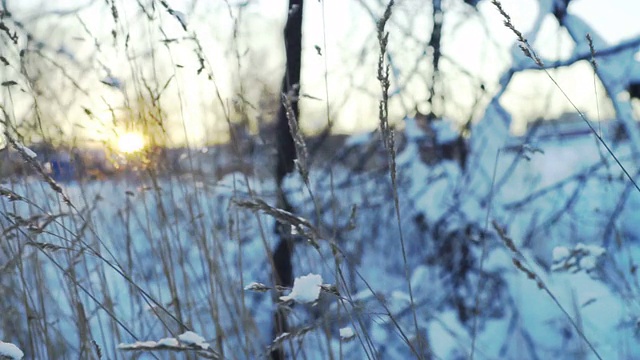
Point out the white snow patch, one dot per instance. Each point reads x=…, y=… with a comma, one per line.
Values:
x=560, y=253
x=138, y=345
x=171, y=342
x=420, y=277
x=346, y=333
x=591, y=249
x=191, y=338
x=306, y=289
x=30, y=153
x=10, y=350
x=281, y=337
x=588, y=263
x=442, y=334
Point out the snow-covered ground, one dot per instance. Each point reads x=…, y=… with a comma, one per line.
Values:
x=530, y=253
x=560, y=194
x=134, y=245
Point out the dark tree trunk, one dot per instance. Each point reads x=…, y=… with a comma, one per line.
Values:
x=434, y=44
x=283, y=269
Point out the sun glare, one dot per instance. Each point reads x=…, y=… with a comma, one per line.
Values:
x=130, y=142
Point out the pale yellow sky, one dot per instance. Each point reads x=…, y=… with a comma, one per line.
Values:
x=474, y=43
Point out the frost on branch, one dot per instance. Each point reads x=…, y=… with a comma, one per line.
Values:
x=186, y=341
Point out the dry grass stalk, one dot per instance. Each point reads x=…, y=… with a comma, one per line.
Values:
x=524, y=45
x=520, y=262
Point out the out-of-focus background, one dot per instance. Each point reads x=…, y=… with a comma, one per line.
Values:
x=138, y=162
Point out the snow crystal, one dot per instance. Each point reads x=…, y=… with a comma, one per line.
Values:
x=191, y=338
x=10, y=351
x=306, y=289
x=347, y=333
x=30, y=153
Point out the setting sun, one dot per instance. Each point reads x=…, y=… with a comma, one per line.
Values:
x=130, y=142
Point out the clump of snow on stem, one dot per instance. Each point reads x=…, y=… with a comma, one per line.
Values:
x=9, y=350
x=191, y=338
x=256, y=286
x=186, y=340
x=306, y=289
x=346, y=333
x=30, y=153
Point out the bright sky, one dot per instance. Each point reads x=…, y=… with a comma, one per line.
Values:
x=475, y=42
